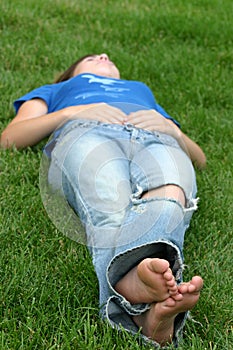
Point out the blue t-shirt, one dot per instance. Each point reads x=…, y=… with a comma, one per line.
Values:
x=89, y=88
x=127, y=95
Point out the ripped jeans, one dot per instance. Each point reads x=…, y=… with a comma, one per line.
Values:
x=103, y=170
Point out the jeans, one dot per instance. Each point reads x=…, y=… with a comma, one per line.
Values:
x=102, y=171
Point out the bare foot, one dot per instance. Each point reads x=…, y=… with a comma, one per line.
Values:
x=150, y=281
x=158, y=322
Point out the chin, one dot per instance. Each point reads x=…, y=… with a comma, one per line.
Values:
x=108, y=74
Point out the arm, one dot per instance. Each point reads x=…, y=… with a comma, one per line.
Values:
x=30, y=125
x=152, y=120
x=192, y=149
x=33, y=122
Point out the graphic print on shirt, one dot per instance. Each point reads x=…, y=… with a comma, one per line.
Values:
x=108, y=85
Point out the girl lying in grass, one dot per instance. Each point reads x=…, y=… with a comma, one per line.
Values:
x=126, y=169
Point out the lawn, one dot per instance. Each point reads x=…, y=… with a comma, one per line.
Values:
x=184, y=51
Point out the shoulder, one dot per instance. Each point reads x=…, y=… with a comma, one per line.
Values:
x=44, y=93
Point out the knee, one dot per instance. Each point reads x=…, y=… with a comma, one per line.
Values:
x=167, y=191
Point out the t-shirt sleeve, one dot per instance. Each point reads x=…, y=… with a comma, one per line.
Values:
x=160, y=109
x=43, y=92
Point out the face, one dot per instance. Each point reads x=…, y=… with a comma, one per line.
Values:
x=99, y=65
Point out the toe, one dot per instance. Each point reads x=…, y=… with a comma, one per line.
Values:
x=158, y=265
x=196, y=283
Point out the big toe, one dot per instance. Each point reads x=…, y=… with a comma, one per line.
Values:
x=196, y=284
x=158, y=265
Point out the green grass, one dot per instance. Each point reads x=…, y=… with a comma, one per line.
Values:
x=183, y=50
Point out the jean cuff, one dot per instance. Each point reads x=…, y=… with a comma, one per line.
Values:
x=118, y=311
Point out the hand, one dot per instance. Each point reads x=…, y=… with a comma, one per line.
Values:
x=154, y=121
x=101, y=112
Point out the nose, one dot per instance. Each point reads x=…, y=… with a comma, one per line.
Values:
x=104, y=57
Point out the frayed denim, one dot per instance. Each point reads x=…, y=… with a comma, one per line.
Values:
x=103, y=170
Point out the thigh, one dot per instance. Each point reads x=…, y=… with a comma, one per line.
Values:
x=158, y=164
x=95, y=175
